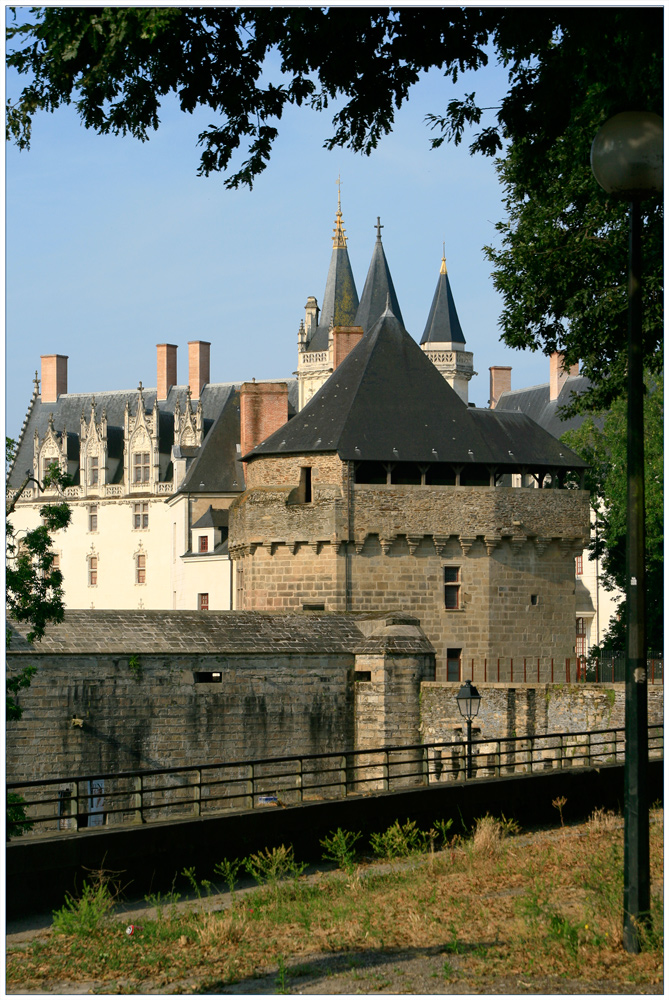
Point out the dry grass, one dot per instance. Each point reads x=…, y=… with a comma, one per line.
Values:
x=548, y=904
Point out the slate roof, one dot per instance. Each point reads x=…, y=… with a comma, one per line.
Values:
x=536, y=403
x=212, y=519
x=209, y=632
x=220, y=409
x=387, y=402
x=378, y=291
x=340, y=300
x=443, y=324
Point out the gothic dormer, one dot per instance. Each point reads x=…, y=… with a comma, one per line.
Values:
x=52, y=448
x=93, y=464
x=141, y=455
x=188, y=425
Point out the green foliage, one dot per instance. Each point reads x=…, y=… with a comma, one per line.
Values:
x=399, y=841
x=135, y=667
x=88, y=914
x=269, y=867
x=17, y=817
x=13, y=711
x=339, y=847
x=197, y=887
x=228, y=871
x=603, y=445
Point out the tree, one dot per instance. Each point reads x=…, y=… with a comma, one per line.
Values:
x=604, y=448
x=34, y=587
x=562, y=262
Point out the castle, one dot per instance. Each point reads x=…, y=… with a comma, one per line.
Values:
x=367, y=484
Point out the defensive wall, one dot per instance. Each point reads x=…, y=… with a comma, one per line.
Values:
x=132, y=690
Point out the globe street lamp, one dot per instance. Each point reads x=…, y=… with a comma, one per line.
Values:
x=626, y=159
x=469, y=701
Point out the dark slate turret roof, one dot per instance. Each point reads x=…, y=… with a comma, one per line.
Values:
x=443, y=324
x=535, y=402
x=340, y=300
x=378, y=290
x=387, y=402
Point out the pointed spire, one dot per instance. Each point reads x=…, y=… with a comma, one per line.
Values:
x=443, y=325
x=340, y=300
x=339, y=238
x=36, y=385
x=378, y=288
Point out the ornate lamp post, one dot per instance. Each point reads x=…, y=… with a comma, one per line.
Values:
x=469, y=702
x=626, y=159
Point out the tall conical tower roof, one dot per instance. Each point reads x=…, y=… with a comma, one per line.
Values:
x=378, y=289
x=443, y=325
x=340, y=300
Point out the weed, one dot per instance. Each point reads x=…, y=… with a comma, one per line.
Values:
x=228, y=871
x=559, y=804
x=280, y=980
x=399, y=841
x=441, y=828
x=135, y=667
x=489, y=832
x=269, y=867
x=339, y=847
x=603, y=820
x=17, y=817
x=197, y=888
x=86, y=915
x=159, y=901
x=448, y=970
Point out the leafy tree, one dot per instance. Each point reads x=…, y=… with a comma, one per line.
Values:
x=34, y=588
x=603, y=445
x=561, y=266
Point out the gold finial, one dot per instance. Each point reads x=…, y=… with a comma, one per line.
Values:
x=443, y=260
x=339, y=238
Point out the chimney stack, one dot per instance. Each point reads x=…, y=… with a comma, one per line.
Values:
x=54, y=376
x=559, y=374
x=263, y=408
x=198, y=366
x=500, y=381
x=344, y=339
x=167, y=369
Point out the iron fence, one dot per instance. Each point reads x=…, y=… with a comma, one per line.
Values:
x=548, y=670
x=75, y=803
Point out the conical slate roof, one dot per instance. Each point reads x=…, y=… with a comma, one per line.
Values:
x=340, y=300
x=378, y=290
x=387, y=402
x=443, y=324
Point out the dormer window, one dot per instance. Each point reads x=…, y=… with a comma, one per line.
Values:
x=141, y=467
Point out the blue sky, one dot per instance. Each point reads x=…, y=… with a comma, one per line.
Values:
x=113, y=245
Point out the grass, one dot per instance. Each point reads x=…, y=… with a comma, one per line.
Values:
x=493, y=905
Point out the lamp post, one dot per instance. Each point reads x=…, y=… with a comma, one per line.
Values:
x=469, y=701
x=626, y=159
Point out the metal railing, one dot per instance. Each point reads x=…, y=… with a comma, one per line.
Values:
x=173, y=793
x=548, y=670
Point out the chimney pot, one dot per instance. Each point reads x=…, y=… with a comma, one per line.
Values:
x=559, y=374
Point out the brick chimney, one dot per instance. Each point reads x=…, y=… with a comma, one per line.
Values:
x=167, y=369
x=263, y=408
x=344, y=339
x=54, y=376
x=559, y=374
x=500, y=381
x=198, y=366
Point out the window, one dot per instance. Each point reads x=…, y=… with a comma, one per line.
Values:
x=92, y=571
x=93, y=517
x=203, y=602
x=93, y=470
x=581, y=637
x=579, y=565
x=305, y=484
x=46, y=466
x=453, y=657
x=141, y=467
x=451, y=588
x=140, y=561
x=56, y=562
x=140, y=517
x=203, y=543
x=534, y=600
x=207, y=677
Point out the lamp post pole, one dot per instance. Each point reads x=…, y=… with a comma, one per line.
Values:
x=470, y=769
x=626, y=160
x=636, y=903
